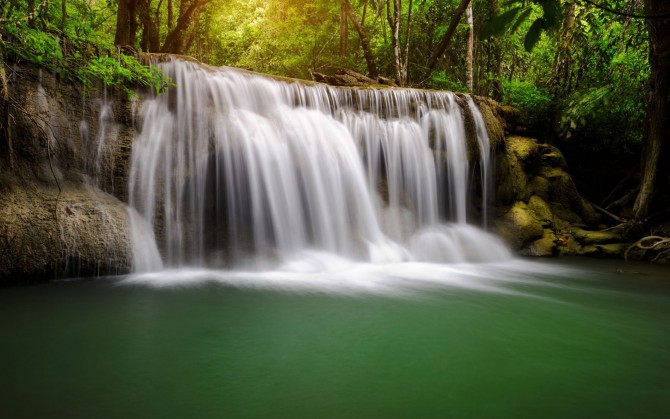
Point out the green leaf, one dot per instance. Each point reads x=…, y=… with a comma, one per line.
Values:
x=533, y=34
x=551, y=13
x=522, y=18
x=499, y=24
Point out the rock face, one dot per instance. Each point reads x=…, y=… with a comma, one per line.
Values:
x=81, y=232
x=63, y=166
x=65, y=156
x=541, y=213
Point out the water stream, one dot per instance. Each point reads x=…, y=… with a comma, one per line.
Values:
x=235, y=169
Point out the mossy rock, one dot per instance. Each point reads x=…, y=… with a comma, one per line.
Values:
x=612, y=250
x=519, y=226
x=597, y=237
x=525, y=149
x=566, y=202
x=512, y=177
x=497, y=118
x=539, y=186
x=541, y=209
x=552, y=156
x=545, y=246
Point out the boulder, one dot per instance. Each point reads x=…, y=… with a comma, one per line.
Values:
x=519, y=226
x=64, y=179
x=45, y=234
x=541, y=211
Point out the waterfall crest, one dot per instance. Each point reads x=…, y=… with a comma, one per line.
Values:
x=231, y=167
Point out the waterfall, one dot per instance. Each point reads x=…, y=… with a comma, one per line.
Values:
x=231, y=167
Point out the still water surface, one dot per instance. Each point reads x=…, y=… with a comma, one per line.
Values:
x=568, y=338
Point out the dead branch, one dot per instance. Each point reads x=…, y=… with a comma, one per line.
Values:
x=609, y=214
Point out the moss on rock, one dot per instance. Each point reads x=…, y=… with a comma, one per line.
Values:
x=544, y=246
x=540, y=208
x=519, y=226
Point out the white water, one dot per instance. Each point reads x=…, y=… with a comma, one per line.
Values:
x=235, y=169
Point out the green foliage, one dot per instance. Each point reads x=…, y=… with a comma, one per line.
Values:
x=610, y=115
x=533, y=102
x=33, y=45
x=81, y=50
x=593, y=77
x=440, y=81
x=606, y=109
x=289, y=38
x=123, y=70
x=503, y=22
x=513, y=19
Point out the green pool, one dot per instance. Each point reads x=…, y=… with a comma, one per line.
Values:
x=570, y=338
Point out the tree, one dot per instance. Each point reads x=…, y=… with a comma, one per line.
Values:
x=126, y=23
x=362, y=35
x=470, y=49
x=446, y=39
x=180, y=37
x=394, y=16
x=133, y=14
x=655, y=184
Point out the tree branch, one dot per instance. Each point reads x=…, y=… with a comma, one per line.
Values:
x=446, y=39
x=620, y=13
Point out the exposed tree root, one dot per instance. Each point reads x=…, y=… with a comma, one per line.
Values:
x=658, y=243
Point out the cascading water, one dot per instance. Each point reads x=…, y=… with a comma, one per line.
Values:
x=230, y=166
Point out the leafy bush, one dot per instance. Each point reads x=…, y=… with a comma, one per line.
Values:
x=78, y=59
x=440, y=81
x=534, y=103
x=611, y=115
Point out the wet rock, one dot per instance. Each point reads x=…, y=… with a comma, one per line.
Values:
x=547, y=245
x=541, y=209
x=612, y=250
x=77, y=232
x=534, y=175
x=519, y=226
x=597, y=237
x=61, y=188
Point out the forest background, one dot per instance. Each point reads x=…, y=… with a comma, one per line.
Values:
x=580, y=71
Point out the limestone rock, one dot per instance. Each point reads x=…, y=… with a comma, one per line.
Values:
x=597, y=237
x=61, y=189
x=532, y=177
x=540, y=208
x=79, y=232
x=545, y=246
x=519, y=226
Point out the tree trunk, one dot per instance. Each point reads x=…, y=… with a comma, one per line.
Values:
x=407, y=37
x=393, y=15
x=655, y=185
x=344, y=31
x=126, y=23
x=470, y=48
x=562, y=61
x=446, y=39
x=149, y=41
x=178, y=39
x=365, y=42
x=63, y=9
x=170, y=16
